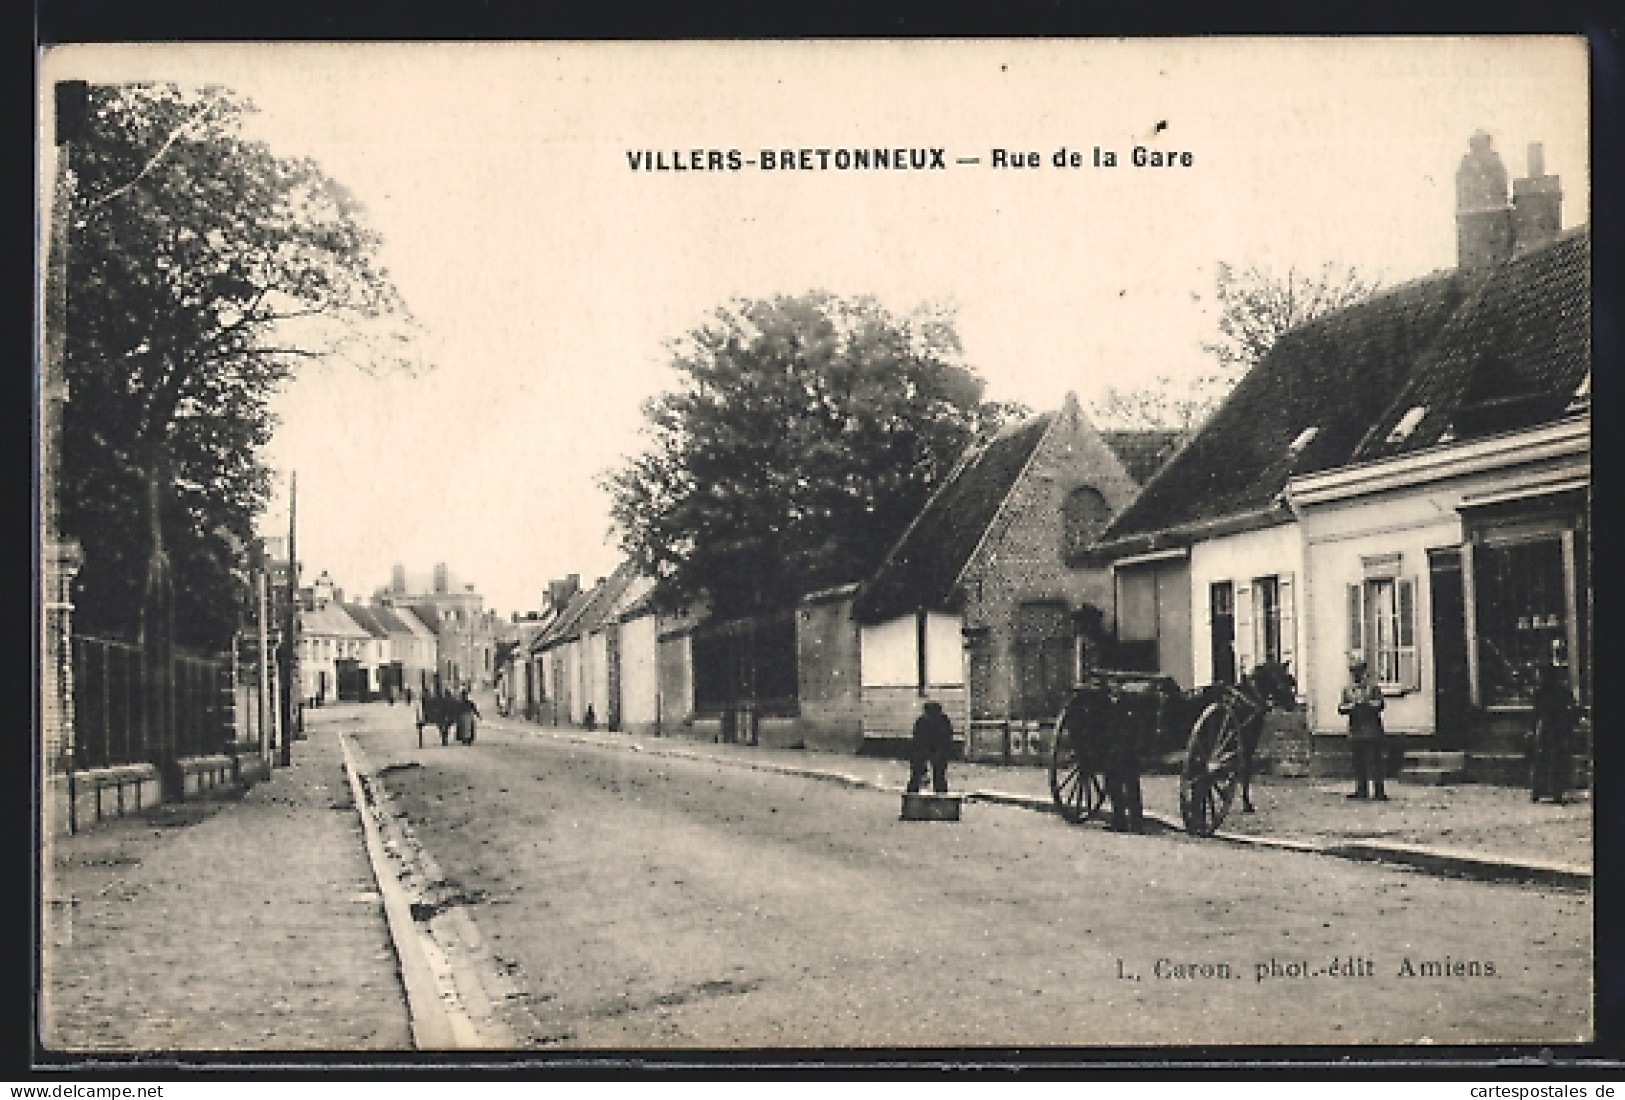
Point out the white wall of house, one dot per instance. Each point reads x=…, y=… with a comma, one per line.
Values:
x=1354, y=542
x=573, y=678
x=1243, y=559
x=640, y=673
x=597, y=651
x=944, y=650
x=890, y=652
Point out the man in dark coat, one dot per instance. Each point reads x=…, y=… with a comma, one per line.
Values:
x=1555, y=717
x=933, y=741
x=1362, y=702
x=1131, y=709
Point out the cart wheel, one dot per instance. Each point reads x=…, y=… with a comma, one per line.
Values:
x=1207, y=783
x=1074, y=781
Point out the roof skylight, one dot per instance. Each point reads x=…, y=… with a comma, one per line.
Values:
x=1407, y=423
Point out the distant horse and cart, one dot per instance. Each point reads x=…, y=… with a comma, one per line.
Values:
x=1115, y=719
x=446, y=711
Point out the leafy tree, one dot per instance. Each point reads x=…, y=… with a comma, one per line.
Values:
x=1255, y=307
x=203, y=269
x=804, y=435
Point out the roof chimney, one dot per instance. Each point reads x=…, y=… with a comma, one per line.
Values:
x=1483, y=217
x=1537, y=204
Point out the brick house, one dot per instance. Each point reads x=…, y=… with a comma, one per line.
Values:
x=980, y=604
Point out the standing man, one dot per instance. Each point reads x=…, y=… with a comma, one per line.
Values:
x=1362, y=702
x=1131, y=709
x=1555, y=716
x=933, y=741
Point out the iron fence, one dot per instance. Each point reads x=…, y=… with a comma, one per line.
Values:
x=115, y=722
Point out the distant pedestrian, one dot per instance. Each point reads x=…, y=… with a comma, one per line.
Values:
x=590, y=720
x=1555, y=716
x=445, y=716
x=1362, y=702
x=467, y=712
x=933, y=741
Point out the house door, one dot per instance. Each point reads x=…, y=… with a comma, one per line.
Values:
x=1452, y=711
x=1223, y=605
x=1044, y=660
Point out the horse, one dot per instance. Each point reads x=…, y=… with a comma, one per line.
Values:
x=1269, y=686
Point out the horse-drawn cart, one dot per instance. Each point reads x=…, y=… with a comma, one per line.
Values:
x=1116, y=719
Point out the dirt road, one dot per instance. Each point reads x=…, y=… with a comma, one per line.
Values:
x=648, y=901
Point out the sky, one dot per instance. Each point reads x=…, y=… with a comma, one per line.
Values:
x=549, y=277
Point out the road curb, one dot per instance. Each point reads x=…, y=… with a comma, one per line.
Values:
x=436, y=999
x=426, y=1012
x=1434, y=861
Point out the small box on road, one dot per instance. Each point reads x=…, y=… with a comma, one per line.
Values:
x=930, y=807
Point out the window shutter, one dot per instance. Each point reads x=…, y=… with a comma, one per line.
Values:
x=1246, y=645
x=1356, y=630
x=1410, y=674
x=1207, y=627
x=1289, y=628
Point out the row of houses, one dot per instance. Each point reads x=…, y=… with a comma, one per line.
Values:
x=1404, y=481
x=408, y=636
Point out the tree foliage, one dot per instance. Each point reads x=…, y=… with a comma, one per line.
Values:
x=1255, y=307
x=203, y=270
x=804, y=435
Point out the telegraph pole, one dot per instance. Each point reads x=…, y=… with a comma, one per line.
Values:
x=290, y=623
x=264, y=670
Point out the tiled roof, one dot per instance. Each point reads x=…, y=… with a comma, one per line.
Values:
x=1336, y=375
x=1512, y=356
x=559, y=630
x=589, y=610
x=389, y=620
x=409, y=619
x=1143, y=453
x=367, y=619
x=330, y=621
x=922, y=568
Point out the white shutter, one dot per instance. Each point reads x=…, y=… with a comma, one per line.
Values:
x=1356, y=622
x=1206, y=642
x=1289, y=624
x=1246, y=644
x=1410, y=673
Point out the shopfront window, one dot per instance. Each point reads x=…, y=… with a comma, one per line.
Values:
x=1522, y=616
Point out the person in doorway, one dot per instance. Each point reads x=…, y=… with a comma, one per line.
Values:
x=590, y=720
x=1555, y=718
x=1362, y=702
x=933, y=741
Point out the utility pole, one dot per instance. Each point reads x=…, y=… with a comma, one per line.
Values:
x=264, y=677
x=290, y=623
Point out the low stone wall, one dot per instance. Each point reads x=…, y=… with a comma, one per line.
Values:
x=202, y=775
x=125, y=790
x=1285, y=748
x=1001, y=742
x=102, y=794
